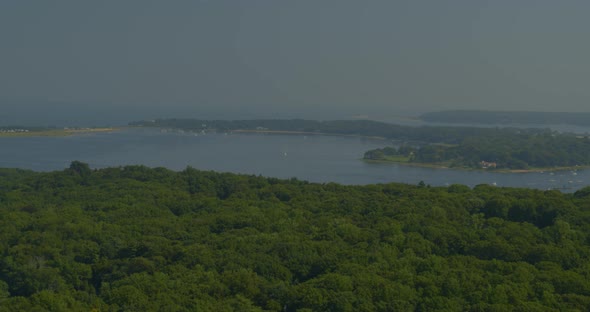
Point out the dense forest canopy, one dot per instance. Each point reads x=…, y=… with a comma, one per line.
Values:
x=506, y=117
x=140, y=239
x=508, y=148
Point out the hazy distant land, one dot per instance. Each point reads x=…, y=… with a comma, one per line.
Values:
x=507, y=117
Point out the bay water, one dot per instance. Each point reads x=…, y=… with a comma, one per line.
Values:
x=315, y=158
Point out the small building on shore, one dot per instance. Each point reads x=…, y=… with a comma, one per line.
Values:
x=487, y=165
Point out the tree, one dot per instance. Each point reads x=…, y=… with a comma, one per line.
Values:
x=80, y=168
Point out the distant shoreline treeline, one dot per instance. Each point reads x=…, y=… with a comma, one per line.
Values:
x=423, y=134
x=507, y=117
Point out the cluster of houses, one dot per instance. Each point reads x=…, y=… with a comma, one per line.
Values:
x=487, y=165
x=13, y=130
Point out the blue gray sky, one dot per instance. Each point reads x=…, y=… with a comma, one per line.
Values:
x=299, y=58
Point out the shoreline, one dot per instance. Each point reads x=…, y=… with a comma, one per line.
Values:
x=57, y=132
x=69, y=132
x=442, y=166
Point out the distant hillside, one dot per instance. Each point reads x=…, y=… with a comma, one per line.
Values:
x=506, y=117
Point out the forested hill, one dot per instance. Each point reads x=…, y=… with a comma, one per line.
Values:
x=507, y=118
x=140, y=239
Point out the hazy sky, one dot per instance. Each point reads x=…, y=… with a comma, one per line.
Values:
x=296, y=58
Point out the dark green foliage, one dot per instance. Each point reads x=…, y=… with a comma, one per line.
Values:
x=139, y=239
x=80, y=168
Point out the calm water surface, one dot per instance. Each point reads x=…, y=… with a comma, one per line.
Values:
x=312, y=158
